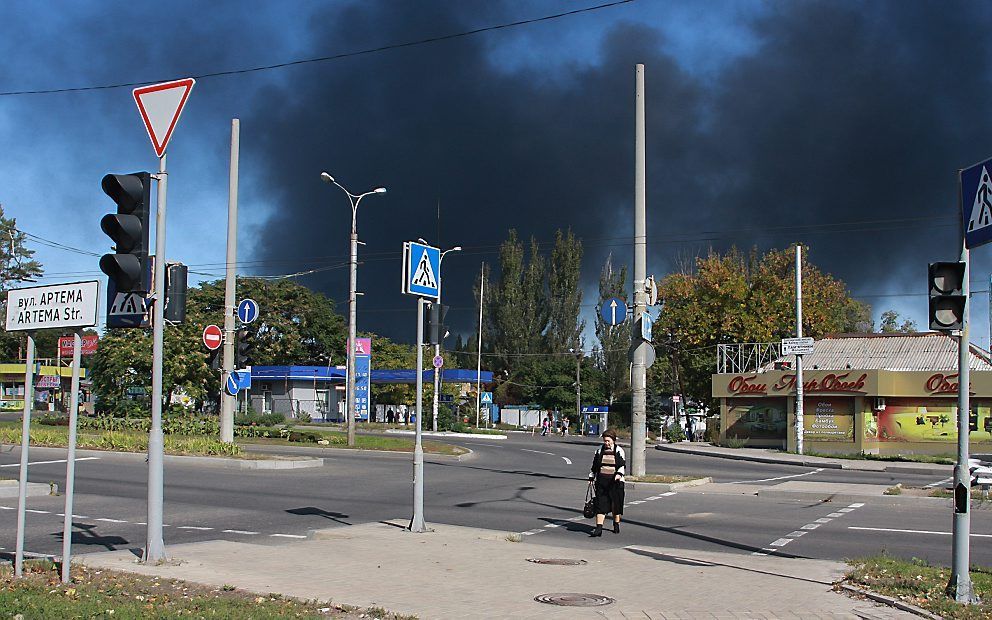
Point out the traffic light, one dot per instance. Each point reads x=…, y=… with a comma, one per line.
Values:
x=947, y=298
x=175, y=292
x=128, y=267
x=434, y=328
x=245, y=350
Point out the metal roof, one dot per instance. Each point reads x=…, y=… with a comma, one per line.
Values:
x=907, y=352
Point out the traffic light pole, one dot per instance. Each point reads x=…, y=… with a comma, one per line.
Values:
x=417, y=521
x=638, y=373
x=154, y=543
x=227, y=402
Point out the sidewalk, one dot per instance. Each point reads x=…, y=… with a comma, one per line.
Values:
x=459, y=572
x=761, y=455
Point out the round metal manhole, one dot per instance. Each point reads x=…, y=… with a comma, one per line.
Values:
x=557, y=561
x=574, y=599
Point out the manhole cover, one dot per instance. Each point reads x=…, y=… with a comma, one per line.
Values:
x=574, y=599
x=557, y=561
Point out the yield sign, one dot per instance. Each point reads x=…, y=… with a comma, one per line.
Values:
x=160, y=106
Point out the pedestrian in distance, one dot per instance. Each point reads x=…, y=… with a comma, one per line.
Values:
x=564, y=426
x=545, y=423
x=606, y=475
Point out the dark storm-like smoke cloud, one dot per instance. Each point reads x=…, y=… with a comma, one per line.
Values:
x=842, y=113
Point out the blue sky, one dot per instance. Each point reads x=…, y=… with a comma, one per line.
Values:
x=761, y=116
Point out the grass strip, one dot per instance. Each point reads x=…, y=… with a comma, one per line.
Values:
x=121, y=441
x=919, y=583
x=97, y=593
x=362, y=442
x=661, y=478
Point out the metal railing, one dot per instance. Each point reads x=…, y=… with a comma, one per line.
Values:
x=746, y=356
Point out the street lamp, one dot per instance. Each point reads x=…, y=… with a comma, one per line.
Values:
x=437, y=347
x=354, y=199
x=578, y=384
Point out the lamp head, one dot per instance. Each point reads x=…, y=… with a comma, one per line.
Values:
x=457, y=248
x=379, y=190
x=326, y=178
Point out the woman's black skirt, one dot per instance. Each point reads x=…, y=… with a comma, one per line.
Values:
x=609, y=496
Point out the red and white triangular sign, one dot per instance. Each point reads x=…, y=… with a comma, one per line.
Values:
x=160, y=106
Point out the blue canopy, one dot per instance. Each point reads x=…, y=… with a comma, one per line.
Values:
x=336, y=374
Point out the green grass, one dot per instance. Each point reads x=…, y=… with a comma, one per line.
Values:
x=904, y=458
x=122, y=441
x=124, y=596
x=921, y=584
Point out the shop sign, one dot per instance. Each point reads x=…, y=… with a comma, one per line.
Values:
x=828, y=419
x=832, y=382
x=939, y=383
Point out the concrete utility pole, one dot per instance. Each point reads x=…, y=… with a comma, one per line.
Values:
x=478, y=372
x=638, y=373
x=437, y=347
x=799, y=358
x=154, y=542
x=227, y=402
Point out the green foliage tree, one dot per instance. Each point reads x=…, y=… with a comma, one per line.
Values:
x=614, y=340
x=732, y=297
x=17, y=266
x=889, y=324
x=564, y=295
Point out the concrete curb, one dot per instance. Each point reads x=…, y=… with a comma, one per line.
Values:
x=824, y=462
x=396, y=431
x=891, y=602
x=891, y=500
x=211, y=461
x=11, y=488
x=666, y=487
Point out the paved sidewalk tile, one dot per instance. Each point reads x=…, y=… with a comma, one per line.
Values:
x=459, y=572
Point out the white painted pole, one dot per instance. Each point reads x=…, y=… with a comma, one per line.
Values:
x=638, y=373
x=22, y=486
x=417, y=521
x=70, y=459
x=799, y=358
x=228, y=402
x=478, y=371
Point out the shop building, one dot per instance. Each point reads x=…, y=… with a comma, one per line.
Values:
x=884, y=394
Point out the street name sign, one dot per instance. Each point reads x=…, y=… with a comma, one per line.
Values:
x=53, y=306
x=160, y=106
x=613, y=311
x=797, y=346
x=976, y=203
x=213, y=337
x=248, y=310
x=421, y=270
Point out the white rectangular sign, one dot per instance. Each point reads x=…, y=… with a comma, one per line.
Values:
x=797, y=346
x=57, y=305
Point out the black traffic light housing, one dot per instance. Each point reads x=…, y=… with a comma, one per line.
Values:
x=128, y=267
x=434, y=327
x=245, y=350
x=947, y=299
x=176, y=275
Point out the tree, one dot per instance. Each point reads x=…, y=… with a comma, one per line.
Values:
x=516, y=305
x=614, y=340
x=564, y=295
x=889, y=324
x=16, y=266
x=733, y=298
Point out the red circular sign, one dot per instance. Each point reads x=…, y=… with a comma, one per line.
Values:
x=213, y=337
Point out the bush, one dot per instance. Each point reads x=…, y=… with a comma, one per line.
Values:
x=733, y=442
x=304, y=418
x=259, y=419
x=674, y=433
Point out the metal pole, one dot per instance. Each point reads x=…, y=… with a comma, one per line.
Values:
x=227, y=402
x=437, y=348
x=417, y=521
x=70, y=462
x=22, y=485
x=960, y=586
x=154, y=544
x=578, y=384
x=799, y=358
x=352, y=313
x=478, y=371
x=638, y=373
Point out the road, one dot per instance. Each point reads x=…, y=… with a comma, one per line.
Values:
x=524, y=484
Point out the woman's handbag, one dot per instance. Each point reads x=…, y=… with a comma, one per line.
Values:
x=589, y=510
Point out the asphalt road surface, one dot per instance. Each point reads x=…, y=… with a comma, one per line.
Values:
x=526, y=484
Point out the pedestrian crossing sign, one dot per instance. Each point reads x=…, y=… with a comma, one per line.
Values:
x=486, y=398
x=976, y=204
x=421, y=270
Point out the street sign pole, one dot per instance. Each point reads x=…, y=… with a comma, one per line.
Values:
x=417, y=521
x=154, y=543
x=799, y=358
x=638, y=373
x=70, y=464
x=22, y=484
x=227, y=402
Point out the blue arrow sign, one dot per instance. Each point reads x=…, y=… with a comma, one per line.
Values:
x=613, y=311
x=646, y=323
x=422, y=270
x=248, y=310
x=236, y=381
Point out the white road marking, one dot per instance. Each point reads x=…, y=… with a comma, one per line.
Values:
x=245, y=532
x=488, y=445
x=806, y=529
x=538, y=451
x=834, y=515
x=286, y=536
x=823, y=520
x=112, y=520
x=194, y=527
x=568, y=461
x=938, y=483
x=781, y=542
x=810, y=526
x=846, y=510
x=551, y=525
x=635, y=503
x=82, y=458
x=809, y=473
x=885, y=529
x=668, y=494
x=6, y=507
x=797, y=534
x=40, y=512
x=858, y=505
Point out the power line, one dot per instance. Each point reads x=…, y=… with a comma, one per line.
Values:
x=305, y=61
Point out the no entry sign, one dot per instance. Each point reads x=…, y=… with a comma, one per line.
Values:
x=213, y=337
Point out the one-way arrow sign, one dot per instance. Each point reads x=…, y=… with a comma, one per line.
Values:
x=613, y=311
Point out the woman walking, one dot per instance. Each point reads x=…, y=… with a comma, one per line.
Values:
x=607, y=473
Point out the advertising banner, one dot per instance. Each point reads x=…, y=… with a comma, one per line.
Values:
x=90, y=344
x=929, y=419
x=751, y=418
x=362, y=379
x=828, y=419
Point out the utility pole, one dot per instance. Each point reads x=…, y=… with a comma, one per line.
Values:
x=478, y=372
x=638, y=375
x=799, y=358
x=227, y=402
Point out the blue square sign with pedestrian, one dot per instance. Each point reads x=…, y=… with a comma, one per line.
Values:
x=422, y=271
x=976, y=204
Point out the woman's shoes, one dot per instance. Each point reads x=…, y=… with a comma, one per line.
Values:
x=616, y=527
x=597, y=532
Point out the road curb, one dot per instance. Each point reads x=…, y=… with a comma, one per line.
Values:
x=891, y=500
x=11, y=488
x=891, y=602
x=395, y=431
x=666, y=487
x=854, y=465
